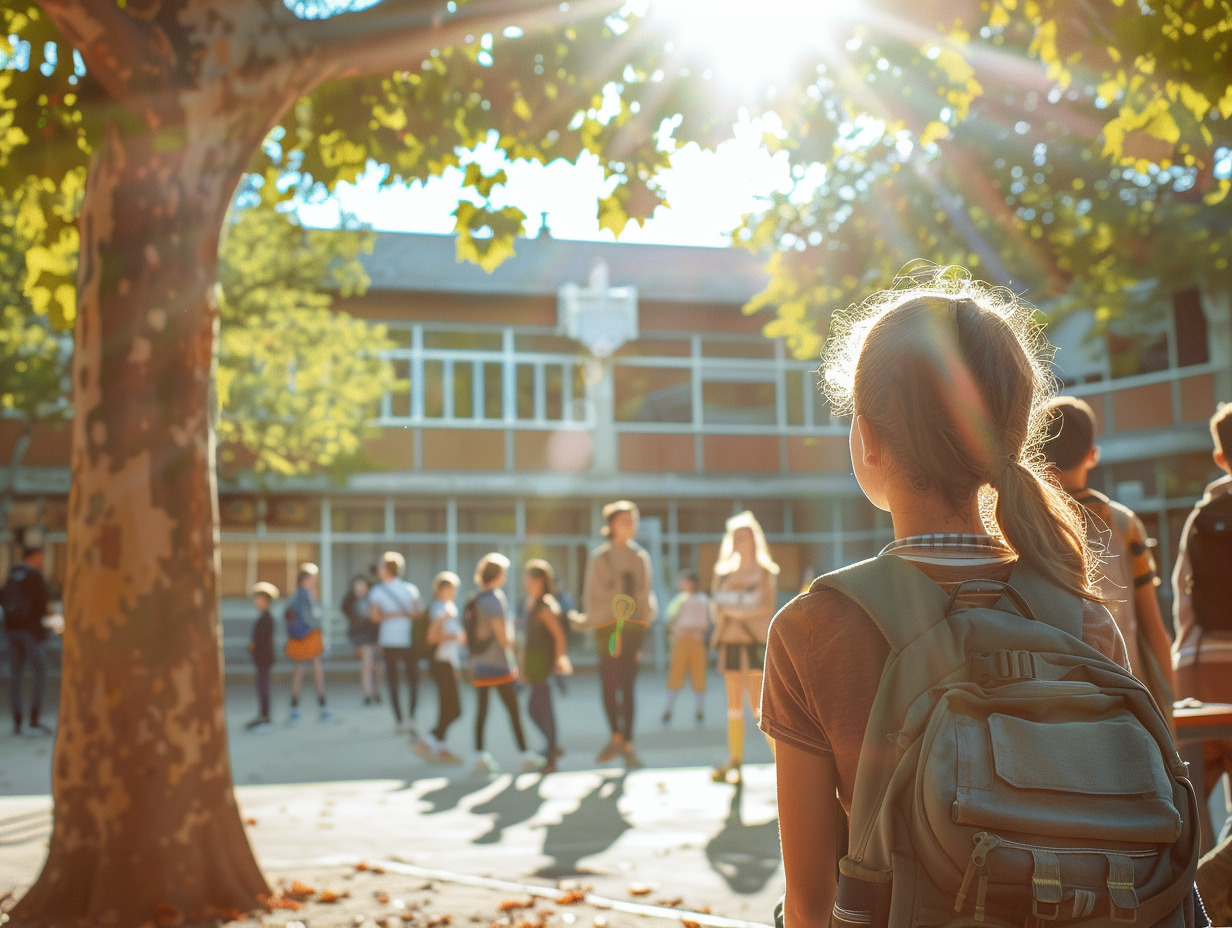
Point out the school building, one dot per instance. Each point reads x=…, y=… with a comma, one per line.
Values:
x=581, y=372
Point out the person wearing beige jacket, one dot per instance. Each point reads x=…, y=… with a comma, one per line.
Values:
x=743, y=593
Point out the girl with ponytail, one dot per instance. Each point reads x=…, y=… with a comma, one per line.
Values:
x=946, y=380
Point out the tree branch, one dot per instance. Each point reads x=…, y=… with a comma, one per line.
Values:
x=397, y=34
x=125, y=55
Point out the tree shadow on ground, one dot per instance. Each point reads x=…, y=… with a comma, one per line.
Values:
x=745, y=856
x=512, y=807
x=594, y=826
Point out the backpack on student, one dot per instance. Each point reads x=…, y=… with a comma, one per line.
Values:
x=1010, y=774
x=478, y=634
x=1210, y=559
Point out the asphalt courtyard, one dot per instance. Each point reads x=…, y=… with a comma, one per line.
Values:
x=321, y=797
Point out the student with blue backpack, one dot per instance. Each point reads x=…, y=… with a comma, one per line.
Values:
x=963, y=695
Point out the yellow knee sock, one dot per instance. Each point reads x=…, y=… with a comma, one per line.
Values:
x=735, y=737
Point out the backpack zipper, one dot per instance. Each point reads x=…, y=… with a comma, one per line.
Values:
x=1019, y=846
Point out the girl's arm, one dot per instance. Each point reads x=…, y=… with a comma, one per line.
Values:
x=551, y=620
x=808, y=828
x=766, y=595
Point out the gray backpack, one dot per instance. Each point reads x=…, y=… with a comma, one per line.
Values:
x=1010, y=774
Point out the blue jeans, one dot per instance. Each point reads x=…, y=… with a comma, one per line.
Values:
x=25, y=648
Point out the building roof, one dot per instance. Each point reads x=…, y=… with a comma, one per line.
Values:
x=405, y=262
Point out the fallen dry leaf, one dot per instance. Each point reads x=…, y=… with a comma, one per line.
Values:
x=250, y=821
x=670, y=903
x=280, y=902
x=639, y=889
x=167, y=916
x=689, y=923
x=299, y=891
x=440, y=921
x=361, y=866
x=329, y=896
x=381, y=897
x=571, y=897
x=510, y=905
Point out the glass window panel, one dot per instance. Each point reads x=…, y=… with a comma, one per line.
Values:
x=557, y=517
x=769, y=512
x=487, y=517
x=493, y=392
x=734, y=403
x=656, y=347
x=758, y=348
x=419, y=516
x=525, y=391
x=545, y=344
x=238, y=513
x=554, y=385
x=463, y=390
x=653, y=394
x=703, y=516
x=811, y=516
x=434, y=400
x=793, y=382
x=358, y=515
x=463, y=341
x=400, y=399
x=233, y=578
x=292, y=513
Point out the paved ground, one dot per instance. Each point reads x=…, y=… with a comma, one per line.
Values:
x=324, y=796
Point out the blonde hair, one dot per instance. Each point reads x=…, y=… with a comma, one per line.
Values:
x=951, y=374
x=490, y=567
x=393, y=562
x=728, y=560
x=445, y=577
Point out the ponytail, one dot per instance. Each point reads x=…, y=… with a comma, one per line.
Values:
x=1043, y=527
x=952, y=375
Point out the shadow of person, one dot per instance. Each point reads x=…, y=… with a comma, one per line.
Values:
x=511, y=805
x=593, y=827
x=745, y=856
x=447, y=797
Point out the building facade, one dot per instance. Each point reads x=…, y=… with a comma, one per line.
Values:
x=579, y=372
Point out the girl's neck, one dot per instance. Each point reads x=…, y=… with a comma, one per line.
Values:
x=917, y=513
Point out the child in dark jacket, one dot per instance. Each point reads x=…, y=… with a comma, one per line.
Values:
x=262, y=650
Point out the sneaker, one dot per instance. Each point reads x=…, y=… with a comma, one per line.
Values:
x=727, y=773
x=611, y=751
x=701, y=717
x=667, y=718
x=549, y=767
x=446, y=756
x=485, y=766
x=632, y=761
x=427, y=747
x=532, y=761
x=368, y=700
x=259, y=723
x=326, y=716
x=293, y=718
x=556, y=754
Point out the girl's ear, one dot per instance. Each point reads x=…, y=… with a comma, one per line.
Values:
x=871, y=448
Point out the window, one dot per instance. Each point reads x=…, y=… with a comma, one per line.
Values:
x=419, y=516
x=1192, y=346
x=358, y=515
x=738, y=403
x=487, y=517
x=653, y=394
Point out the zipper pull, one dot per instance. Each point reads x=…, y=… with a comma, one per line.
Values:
x=984, y=844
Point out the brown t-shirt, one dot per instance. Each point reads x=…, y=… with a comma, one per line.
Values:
x=825, y=655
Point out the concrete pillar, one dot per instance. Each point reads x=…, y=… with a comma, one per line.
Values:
x=601, y=378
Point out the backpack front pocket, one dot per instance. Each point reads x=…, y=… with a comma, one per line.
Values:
x=1072, y=779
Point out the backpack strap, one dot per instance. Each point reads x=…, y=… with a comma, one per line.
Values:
x=899, y=597
x=1050, y=604
x=904, y=603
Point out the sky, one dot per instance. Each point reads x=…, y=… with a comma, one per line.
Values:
x=708, y=192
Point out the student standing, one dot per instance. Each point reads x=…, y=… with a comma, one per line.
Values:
x=304, y=645
x=489, y=637
x=545, y=652
x=362, y=633
x=743, y=592
x=688, y=624
x=620, y=603
x=946, y=387
x=394, y=605
x=261, y=648
x=1202, y=603
x=23, y=598
x=446, y=637
x=1127, y=571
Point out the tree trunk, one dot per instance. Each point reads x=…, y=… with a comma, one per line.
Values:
x=146, y=827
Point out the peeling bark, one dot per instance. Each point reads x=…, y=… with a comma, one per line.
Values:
x=146, y=829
